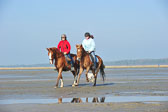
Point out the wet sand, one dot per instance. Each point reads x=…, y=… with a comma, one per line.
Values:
x=125, y=90
x=112, y=67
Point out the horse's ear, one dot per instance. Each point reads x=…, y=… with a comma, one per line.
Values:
x=47, y=49
x=77, y=45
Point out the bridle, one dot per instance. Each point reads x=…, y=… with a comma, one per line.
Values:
x=81, y=51
x=50, y=57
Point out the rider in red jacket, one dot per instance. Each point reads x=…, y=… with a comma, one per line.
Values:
x=65, y=47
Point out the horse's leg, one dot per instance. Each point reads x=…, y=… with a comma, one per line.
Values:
x=59, y=100
x=75, y=77
x=95, y=77
x=80, y=100
x=97, y=71
x=80, y=72
x=59, y=75
x=98, y=68
x=75, y=73
x=62, y=83
x=86, y=100
x=87, y=70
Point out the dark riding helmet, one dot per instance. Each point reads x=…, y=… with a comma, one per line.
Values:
x=87, y=34
x=63, y=36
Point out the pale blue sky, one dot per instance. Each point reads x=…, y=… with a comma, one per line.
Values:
x=123, y=29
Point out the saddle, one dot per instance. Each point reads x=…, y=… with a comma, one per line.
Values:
x=92, y=58
x=67, y=58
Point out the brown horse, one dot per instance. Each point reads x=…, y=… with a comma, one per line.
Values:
x=86, y=63
x=62, y=65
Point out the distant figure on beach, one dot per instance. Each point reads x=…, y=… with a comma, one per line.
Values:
x=65, y=47
x=89, y=46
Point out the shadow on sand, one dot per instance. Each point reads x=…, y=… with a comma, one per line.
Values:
x=105, y=84
x=91, y=84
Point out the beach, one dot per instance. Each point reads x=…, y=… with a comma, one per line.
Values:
x=124, y=90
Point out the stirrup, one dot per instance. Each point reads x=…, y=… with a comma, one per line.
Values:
x=72, y=69
x=68, y=59
x=93, y=67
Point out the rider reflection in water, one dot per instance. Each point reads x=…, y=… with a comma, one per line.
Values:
x=65, y=47
x=89, y=46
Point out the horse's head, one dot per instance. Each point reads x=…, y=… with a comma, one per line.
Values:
x=79, y=51
x=51, y=55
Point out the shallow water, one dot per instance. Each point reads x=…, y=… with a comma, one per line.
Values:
x=13, y=76
x=141, y=92
x=108, y=99
x=20, y=87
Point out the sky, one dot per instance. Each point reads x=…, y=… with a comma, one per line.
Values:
x=123, y=29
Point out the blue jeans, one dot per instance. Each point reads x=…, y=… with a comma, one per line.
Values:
x=72, y=62
x=94, y=58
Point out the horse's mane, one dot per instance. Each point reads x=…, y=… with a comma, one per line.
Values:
x=84, y=50
x=57, y=52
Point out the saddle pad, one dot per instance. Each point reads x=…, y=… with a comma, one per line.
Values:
x=92, y=57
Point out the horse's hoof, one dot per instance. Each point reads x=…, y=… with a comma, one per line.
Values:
x=55, y=87
x=76, y=84
x=94, y=85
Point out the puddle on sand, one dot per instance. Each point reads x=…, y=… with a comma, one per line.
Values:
x=26, y=80
x=145, y=92
x=113, y=99
x=13, y=76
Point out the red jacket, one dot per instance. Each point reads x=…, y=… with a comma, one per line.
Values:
x=64, y=46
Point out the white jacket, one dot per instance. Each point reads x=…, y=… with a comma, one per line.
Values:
x=89, y=45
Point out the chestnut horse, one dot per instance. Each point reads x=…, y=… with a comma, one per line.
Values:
x=62, y=65
x=86, y=63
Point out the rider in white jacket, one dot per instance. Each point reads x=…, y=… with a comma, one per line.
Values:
x=89, y=46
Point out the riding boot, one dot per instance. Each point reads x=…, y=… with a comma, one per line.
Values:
x=72, y=68
x=93, y=67
x=67, y=58
x=71, y=61
x=93, y=60
x=72, y=65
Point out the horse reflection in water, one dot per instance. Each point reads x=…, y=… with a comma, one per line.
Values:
x=76, y=100
x=96, y=100
x=59, y=100
x=79, y=100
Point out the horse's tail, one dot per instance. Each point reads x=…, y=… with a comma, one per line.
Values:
x=102, y=73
